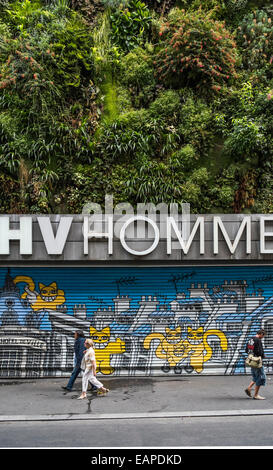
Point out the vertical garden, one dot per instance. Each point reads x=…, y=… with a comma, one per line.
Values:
x=150, y=101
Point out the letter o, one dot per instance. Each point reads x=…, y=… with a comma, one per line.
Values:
x=122, y=236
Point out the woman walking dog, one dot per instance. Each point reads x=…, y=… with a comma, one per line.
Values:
x=89, y=367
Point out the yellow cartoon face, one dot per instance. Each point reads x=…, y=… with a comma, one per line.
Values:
x=105, y=349
x=173, y=336
x=195, y=336
x=100, y=338
x=48, y=293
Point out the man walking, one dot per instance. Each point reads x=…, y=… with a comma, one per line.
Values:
x=79, y=349
x=255, y=347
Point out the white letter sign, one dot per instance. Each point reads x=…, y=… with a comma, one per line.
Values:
x=246, y=222
x=185, y=246
x=264, y=234
x=24, y=234
x=156, y=237
x=55, y=245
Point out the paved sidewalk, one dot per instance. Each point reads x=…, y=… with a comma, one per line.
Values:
x=152, y=397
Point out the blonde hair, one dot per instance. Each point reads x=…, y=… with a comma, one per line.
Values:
x=90, y=342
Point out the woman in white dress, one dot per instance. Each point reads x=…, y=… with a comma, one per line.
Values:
x=89, y=367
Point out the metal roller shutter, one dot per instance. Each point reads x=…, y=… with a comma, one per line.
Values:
x=144, y=320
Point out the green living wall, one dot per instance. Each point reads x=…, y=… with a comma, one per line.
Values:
x=150, y=101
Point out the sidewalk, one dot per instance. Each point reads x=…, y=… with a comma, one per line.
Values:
x=152, y=397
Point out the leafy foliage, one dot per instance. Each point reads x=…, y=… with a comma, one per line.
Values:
x=255, y=36
x=129, y=24
x=136, y=73
x=195, y=50
x=149, y=101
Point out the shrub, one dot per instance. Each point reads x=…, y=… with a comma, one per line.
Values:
x=264, y=201
x=245, y=139
x=137, y=74
x=135, y=134
x=27, y=70
x=56, y=33
x=195, y=123
x=129, y=24
x=167, y=105
x=11, y=201
x=255, y=37
x=226, y=196
x=124, y=102
x=155, y=182
x=195, y=50
x=191, y=193
x=222, y=197
x=200, y=176
x=46, y=109
x=185, y=157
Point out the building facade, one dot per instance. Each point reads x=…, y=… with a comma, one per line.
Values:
x=184, y=313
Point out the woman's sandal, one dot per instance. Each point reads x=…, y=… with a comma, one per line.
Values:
x=103, y=393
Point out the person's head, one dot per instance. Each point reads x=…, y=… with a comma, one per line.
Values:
x=89, y=343
x=261, y=333
x=78, y=334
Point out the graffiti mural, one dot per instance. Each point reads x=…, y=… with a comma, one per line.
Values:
x=143, y=321
x=171, y=347
x=47, y=297
x=105, y=349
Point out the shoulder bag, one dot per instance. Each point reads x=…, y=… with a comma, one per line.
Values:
x=254, y=361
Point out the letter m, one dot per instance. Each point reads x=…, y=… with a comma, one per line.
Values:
x=185, y=245
x=246, y=223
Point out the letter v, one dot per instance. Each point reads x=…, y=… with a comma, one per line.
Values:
x=54, y=244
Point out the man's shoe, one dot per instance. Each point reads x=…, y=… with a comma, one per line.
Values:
x=248, y=392
x=258, y=397
x=67, y=389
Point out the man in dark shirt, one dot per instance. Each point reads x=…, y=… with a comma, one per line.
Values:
x=255, y=347
x=79, y=349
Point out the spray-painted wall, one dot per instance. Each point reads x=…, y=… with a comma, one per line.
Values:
x=144, y=321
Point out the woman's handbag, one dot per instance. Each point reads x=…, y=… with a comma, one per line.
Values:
x=254, y=361
x=83, y=365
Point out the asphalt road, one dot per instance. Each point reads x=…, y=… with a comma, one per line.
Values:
x=172, y=432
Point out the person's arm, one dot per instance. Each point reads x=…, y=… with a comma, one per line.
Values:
x=88, y=364
x=94, y=367
x=76, y=352
x=262, y=350
x=93, y=359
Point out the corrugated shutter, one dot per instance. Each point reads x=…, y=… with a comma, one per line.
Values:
x=144, y=320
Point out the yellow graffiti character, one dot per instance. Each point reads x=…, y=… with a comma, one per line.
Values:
x=171, y=347
x=104, y=349
x=196, y=345
x=48, y=297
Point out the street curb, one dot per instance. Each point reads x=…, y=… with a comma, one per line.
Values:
x=175, y=414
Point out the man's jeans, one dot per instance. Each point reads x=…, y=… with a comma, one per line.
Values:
x=74, y=375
